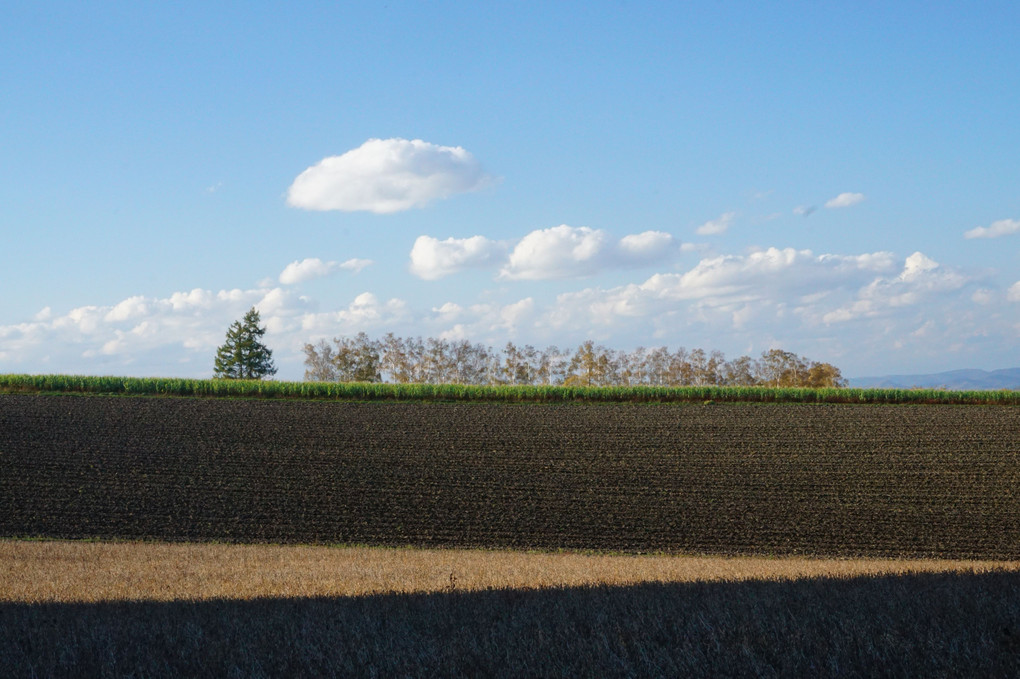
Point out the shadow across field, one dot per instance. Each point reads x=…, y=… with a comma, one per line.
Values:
x=946, y=624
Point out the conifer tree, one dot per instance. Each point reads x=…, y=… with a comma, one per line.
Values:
x=243, y=356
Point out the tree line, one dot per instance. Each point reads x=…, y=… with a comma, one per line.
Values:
x=440, y=361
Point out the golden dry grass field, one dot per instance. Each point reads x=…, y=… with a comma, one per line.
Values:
x=76, y=572
x=214, y=610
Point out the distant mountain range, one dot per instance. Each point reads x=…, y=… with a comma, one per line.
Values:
x=1007, y=378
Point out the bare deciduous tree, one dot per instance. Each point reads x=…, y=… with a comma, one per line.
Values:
x=438, y=361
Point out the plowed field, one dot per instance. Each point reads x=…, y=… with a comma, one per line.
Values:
x=839, y=480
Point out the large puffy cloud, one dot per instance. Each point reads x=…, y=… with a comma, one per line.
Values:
x=572, y=252
x=559, y=252
x=873, y=309
x=845, y=200
x=387, y=175
x=1003, y=227
x=313, y=267
x=920, y=278
x=731, y=282
x=432, y=258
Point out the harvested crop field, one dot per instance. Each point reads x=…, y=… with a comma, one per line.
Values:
x=154, y=609
x=56, y=571
x=835, y=480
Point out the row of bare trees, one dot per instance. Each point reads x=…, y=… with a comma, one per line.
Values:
x=440, y=361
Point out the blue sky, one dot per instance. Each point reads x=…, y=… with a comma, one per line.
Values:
x=836, y=179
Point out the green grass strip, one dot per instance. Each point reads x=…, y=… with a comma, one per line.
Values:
x=357, y=391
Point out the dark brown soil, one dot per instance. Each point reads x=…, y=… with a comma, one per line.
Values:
x=847, y=480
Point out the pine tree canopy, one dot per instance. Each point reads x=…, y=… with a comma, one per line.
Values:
x=243, y=356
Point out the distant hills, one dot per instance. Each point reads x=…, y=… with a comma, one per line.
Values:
x=1007, y=378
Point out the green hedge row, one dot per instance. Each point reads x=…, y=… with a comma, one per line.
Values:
x=157, y=386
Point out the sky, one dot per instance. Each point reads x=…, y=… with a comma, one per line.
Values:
x=840, y=179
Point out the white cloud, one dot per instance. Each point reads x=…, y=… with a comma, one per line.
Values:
x=574, y=252
x=512, y=315
x=916, y=266
x=491, y=323
x=313, y=267
x=364, y=313
x=387, y=175
x=921, y=278
x=143, y=332
x=983, y=296
x=648, y=245
x=448, y=311
x=355, y=264
x=717, y=226
x=845, y=200
x=730, y=288
x=767, y=272
x=300, y=271
x=432, y=258
x=1003, y=227
x=868, y=307
x=178, y=334
x=558, y=252
x=804, y=210
x=1014, y=292
x=132, y=307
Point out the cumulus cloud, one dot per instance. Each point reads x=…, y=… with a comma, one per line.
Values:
x=734, y=285
x=387, y=175
x=648, y=245
x=365, y=312
x=1003, y=227
x=921, y=277
x=772, y=272
x=132, y=307
x=448, y=310
x=491, y=322
x=313, y=267
x=558, y=252
x=845, y=200
x=178, y=334
x=432, y=258
x=916, y=266
x=717, y=226
x=139, y=330
x=867, y=306
x=572, y=252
